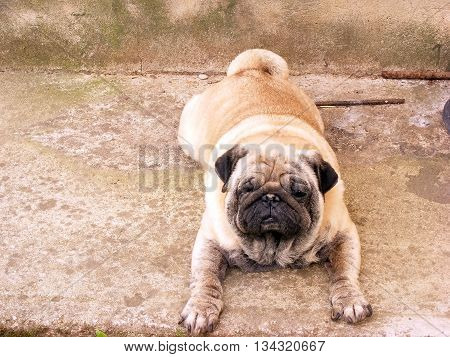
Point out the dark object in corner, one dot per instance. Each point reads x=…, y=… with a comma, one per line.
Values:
x=348, y=103
x=415, y=75
x=446, y=115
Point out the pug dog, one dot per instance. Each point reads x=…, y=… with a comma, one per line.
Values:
x=274, y=195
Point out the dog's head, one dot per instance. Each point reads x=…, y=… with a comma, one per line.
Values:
x=273, y=201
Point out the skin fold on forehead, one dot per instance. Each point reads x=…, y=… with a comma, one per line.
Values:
x=271, y=167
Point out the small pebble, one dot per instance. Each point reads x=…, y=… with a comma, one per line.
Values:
x=202, y=76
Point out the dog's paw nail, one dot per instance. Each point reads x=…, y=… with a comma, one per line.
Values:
x=352, y=308
x=335, y=315
x=199, y=317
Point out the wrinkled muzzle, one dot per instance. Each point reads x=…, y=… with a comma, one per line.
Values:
x=269, y=213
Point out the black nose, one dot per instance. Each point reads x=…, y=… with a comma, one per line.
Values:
x=270, y=198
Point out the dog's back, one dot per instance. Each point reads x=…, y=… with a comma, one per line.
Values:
x=256, y=84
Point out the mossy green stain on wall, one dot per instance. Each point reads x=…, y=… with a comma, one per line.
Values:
x=154, y=17
x=117, y=25
x=424, y=51
x=41, y=47
x=217, y=20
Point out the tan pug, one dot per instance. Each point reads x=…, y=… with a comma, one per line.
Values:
x=275, y=197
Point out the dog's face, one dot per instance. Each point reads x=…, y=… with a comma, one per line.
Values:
x=273, y=202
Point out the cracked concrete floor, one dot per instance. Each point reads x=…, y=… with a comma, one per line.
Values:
x=88, y=241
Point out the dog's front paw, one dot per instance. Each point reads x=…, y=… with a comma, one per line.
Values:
x=201, y=314
x=350, y=305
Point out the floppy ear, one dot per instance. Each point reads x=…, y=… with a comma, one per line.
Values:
x=227, y=162
x=326, y=176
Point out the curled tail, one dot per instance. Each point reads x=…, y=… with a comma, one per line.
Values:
x=258, y=59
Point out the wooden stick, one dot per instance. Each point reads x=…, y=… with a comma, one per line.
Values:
x=348, y=103
x=415, y=75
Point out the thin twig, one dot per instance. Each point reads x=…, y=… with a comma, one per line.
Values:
x=348, y=103
x=430, y=75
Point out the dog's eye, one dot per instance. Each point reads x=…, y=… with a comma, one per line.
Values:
x=299, y=190
x=247, y=187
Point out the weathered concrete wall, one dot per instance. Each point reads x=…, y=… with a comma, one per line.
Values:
x=329, y=35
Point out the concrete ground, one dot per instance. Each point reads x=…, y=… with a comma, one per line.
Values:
x=90, y=241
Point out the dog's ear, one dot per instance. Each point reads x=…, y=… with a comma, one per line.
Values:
x=326, y=176
x=226, y=163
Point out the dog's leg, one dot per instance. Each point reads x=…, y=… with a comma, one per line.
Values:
x=201, y=312
x=347, y=300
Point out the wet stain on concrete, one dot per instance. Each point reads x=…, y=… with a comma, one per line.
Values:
x=90, y=263
x=432, y=183
x=13, y=263
x=134, y=300
x=47, y=204
x=25, y=189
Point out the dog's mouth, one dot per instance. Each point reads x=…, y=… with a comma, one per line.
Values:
x=268, y=241
x=271, y=229
x=270, y=224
